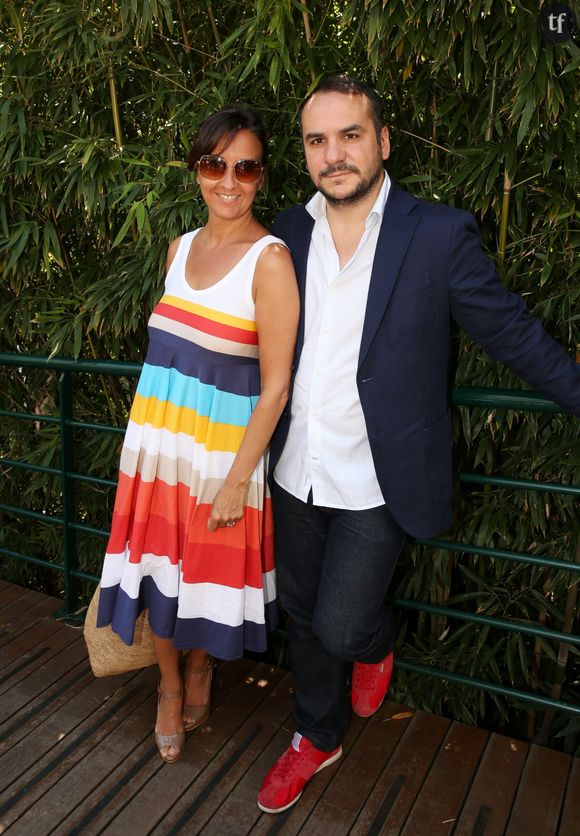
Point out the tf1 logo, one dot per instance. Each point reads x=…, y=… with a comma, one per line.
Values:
x=556, y=22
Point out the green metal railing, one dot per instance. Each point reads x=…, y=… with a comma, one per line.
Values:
x=487, y=398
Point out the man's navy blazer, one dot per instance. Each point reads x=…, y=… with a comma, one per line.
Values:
x=428, y=268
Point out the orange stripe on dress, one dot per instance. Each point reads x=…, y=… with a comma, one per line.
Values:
x=145, y=508
x=207, y=325
x=233, y=564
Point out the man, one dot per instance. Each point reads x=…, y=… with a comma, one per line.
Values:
x=362, y=456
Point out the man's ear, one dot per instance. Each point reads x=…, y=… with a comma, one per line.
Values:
x=385, y=143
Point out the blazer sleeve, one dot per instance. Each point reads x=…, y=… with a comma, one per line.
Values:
x=500, y=322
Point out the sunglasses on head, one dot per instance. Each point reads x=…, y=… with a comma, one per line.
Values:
x=214, y=167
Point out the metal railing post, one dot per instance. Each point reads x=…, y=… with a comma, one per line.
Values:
x=65, y=391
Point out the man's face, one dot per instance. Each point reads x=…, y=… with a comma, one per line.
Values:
x=343, y=155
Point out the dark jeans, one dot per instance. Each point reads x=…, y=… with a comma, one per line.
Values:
x=333, y=569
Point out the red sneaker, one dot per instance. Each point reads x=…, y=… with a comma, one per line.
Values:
x=370, y=684
x=284, y=783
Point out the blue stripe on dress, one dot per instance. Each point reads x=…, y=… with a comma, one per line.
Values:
x=172, y=386
x=220, y=640
x=235, y=374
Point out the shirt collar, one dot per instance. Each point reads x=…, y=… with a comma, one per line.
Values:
x=316, y=206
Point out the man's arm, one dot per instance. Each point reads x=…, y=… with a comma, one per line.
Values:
x=500, y=322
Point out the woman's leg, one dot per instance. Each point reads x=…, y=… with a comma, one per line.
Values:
x=198, y=670
x=169, y=714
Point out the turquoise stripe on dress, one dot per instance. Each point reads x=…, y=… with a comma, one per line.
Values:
x=222, y=407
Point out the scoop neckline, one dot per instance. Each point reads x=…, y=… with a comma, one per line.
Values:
x=223, y=278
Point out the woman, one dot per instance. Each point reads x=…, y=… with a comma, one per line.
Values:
x=191, y=538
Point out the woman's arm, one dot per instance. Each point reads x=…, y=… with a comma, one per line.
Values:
x=171, y=250
x=277, y=310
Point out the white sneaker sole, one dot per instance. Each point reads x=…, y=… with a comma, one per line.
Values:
x=322, y=766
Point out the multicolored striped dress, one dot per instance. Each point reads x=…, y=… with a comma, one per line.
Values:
x=199, y=385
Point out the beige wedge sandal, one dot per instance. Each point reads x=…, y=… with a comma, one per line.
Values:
x=197, y=714
x=177, y=740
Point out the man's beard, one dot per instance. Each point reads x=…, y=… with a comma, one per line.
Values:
x=359, y=192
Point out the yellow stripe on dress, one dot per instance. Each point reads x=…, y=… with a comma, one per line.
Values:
x=181, y=419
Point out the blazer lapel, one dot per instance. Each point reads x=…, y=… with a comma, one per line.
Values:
x=397, y=229
x=298, y=238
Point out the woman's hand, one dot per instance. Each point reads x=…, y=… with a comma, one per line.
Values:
x=227, y=507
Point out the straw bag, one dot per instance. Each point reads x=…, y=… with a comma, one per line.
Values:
x=108, y=653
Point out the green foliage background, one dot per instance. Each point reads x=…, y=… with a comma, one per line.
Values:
x=100, y=101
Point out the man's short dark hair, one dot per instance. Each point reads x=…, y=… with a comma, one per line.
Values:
x=347, y=85
x=219, y=129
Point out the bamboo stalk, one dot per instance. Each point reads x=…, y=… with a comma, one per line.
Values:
x=309, y=40
x=115, y=106
x=505, y=208
x=491, y=111
x=113, y=92
x=434, y=156
x=216, y=34
x=306, y=24
x=184, y=34
x=537, y=659
x=563, y=653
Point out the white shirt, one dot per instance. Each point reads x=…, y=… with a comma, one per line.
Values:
x=327, y=448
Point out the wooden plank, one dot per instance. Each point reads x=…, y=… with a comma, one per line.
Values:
x=22, y=613
x=536, y=810
x=241, y=805
x=442, y=794
x=570, y=818
x=71, y=672
x=38, y=760
x=394, y=793
x=9, y=593
x=21, y=600
x=209, y=757
x=206, y=807
x=356, y=776
x=24, y=642
x=488, y=805
x=63, y=799
x=34, y=663
x=126, y=763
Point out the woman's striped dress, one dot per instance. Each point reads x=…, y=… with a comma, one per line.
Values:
x=198, y=388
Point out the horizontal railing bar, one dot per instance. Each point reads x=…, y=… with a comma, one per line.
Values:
x=67, y=364
x=476, y=396
x=86, y=425
x=24, y=512
x=85, y=576
x=473, y=618
x=503, y=554
x=38, y=561
x=92, y=480
x=35, y=515
x=29, y=416
x=504, y=399
x=77, y=477
x=513, y=693
x=46, y=564
x=36, y=468
x=528, y=484
x=87, y=529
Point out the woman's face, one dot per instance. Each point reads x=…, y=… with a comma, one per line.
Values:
x=227, y=198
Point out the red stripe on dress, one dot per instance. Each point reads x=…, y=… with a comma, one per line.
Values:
x=157, y=522
x=209, y=326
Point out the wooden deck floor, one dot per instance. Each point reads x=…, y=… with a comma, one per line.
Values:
x=77, y=756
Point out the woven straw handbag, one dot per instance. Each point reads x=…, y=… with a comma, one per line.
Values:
x=108, y=654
